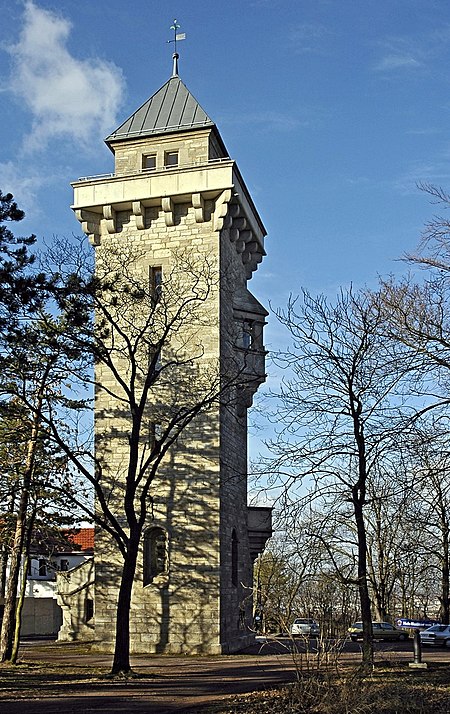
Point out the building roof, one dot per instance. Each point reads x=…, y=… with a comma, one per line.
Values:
x=54, y=541
x=171, y=109
x=82, y=538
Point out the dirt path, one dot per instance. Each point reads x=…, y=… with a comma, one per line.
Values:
x=64, y=679
x=68, y=679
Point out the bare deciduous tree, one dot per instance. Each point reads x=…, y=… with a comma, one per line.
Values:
x=146, y=346
x=339, y=411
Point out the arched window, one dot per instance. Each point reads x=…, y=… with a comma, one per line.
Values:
x=155, y=554
x=234, y=558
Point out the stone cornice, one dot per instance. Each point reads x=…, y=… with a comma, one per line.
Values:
x=228, y=215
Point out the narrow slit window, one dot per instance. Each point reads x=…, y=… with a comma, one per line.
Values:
x=247, y=334
x=155, y=554
x=155, y=278
x=154, y=359
x=234, y=558
x=88, y=609
x=154, y=434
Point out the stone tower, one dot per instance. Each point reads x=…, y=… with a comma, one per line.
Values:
x=174, y=188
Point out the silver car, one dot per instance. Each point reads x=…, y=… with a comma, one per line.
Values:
x=380, y=631
x=438, y=635
x=305, y=627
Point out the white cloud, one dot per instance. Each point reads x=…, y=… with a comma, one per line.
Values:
x=310, y=38
x=68, y=97
x=397, y=61
x=272, y=121
x=404, y=53
x=436, y=173
x=25, y=188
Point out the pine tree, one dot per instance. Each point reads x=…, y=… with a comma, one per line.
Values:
x=18, y=285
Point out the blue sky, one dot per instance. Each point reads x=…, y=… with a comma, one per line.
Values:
x=333, y=110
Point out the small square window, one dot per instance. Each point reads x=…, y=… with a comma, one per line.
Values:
x=64, y=565
x=171, y=158
x=149, y=161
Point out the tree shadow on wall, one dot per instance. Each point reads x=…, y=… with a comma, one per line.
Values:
x=193, y=604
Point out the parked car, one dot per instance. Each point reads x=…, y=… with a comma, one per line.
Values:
x=380, y=631
x=305, y=626
x=438, y=635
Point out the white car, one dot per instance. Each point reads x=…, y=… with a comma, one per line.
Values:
x=436, y=635
x=305, y=627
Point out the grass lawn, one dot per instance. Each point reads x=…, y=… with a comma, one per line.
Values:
x=387, y=690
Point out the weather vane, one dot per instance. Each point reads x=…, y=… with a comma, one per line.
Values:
x=177, y=36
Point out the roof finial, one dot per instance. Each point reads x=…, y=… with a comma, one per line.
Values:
x=176, y=37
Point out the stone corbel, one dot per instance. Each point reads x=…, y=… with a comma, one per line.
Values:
x=234, y=210
x=239, y=223
x=167, y=206
x=139, y=214
x=199, y=207
x=227, y=221
x=252, y=245
x=251, y=255
x=109, y=215
x=221, y=209
x=255, y=258
x=90, y=224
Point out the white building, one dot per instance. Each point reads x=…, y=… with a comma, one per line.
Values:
x=49, y=567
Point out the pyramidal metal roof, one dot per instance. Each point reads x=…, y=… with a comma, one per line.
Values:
x=172, y=108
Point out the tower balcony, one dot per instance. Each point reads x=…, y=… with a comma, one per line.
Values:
x=259, y=528
x=214, y=188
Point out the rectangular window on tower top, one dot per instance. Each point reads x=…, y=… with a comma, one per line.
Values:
x=149, y=162
x=171, y=159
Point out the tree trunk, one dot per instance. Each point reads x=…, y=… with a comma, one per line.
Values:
x=23, y=587
x=378, y=610
x=445, y=595
x=9, y=613
x=4, y=552
x=3, y=567
x=19, y=608
x=7, y=633
x=121, y=662
x=359, y=499
x=363, y=589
